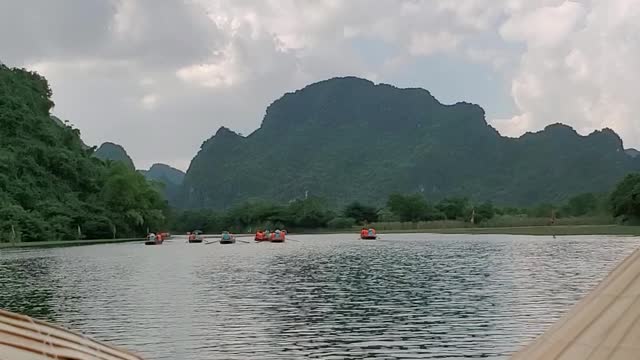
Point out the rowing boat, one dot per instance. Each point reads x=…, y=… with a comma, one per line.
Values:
x=24, y=338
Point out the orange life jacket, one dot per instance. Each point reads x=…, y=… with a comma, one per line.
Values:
x=259, y=235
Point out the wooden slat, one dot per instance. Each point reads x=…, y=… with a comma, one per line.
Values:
x=22, y=337
x=604, y=325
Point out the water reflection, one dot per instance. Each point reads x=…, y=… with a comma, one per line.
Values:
x=20, y=279
x=411, y=296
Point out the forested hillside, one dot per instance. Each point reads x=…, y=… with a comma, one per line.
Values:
x=348, y=139
x=113, y=152
x=50, y=184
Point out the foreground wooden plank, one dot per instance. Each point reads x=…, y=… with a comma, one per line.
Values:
x=604, y=325
x=22, y=337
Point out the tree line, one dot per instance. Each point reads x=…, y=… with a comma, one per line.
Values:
x=51, y=187
x=316, y=213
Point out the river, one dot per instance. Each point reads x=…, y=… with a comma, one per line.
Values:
x=325, y=297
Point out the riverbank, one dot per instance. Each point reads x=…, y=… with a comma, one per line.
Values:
x=558, y=230
x=65, y=243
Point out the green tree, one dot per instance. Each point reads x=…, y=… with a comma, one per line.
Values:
x=50, y=184
x=409, y=207
x=454, y=208
x=361, y=213
x=625, y=198
x=486, y=211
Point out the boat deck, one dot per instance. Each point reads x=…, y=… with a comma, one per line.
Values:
x=604, y=325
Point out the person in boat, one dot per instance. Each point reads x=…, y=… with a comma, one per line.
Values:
x=371, y=232
x=364, y=233
x=226, y=235
x=277, y=235
x=151, y=237
x=192, y=236
x=267, y=235
x=159, y=238
x=259, y=235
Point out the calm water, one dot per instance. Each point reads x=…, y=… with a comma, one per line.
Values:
x=407, y=296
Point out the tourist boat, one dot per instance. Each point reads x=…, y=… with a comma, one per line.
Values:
x=368, y=234
x=231, y=239
x=22, y=337
x=195, y=237
x=277, y=237
x=157, y=241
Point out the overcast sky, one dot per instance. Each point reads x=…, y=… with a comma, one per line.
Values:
x=160, y=76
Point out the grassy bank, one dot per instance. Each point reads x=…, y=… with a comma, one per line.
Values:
x=65, y=243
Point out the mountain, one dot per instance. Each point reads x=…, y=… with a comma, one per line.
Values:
x=61, y=123
x=51, y=185
x=349, y=139
x=170, y=177
x=164, y=173
x=632, y=152
x=114, y=152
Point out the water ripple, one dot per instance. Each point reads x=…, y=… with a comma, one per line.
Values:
x=325, y=297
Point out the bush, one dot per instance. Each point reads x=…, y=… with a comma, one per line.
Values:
x=341, y=223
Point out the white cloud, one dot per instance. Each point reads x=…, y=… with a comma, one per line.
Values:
x=427, y=44
x=149, y=101
x=546, y=26
x=590, y=81
x=180, y=69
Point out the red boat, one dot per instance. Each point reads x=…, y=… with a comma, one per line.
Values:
x=278, y=236
x=368, y=234
x=260, y=236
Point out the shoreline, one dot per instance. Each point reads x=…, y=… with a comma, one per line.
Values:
x=545, y=230
x=66, y=243
x=557, y=230
x=540, y=230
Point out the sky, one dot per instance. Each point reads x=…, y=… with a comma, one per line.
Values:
x=161, y=76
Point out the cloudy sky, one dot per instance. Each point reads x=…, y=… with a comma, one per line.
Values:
x=160, y=76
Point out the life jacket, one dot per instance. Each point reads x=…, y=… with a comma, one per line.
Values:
x=159, y=237
x=364, y=232
x=192, y=236
x=259, y=235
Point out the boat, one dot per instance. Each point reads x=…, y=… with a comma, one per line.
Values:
x=152, y=239
x=22, y=337
x=277, y=236
x=195, y=237
x=260, y=236
x=368, y=234
x=227, y=238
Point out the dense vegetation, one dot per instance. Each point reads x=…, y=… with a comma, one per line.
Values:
x=114, y=152
x=315, y=213
x=347, y=139
x=51, y=187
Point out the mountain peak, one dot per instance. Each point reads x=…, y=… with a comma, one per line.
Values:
x=114, y=152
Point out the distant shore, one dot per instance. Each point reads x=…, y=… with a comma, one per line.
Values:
x=65, y=243
x=558, y=230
